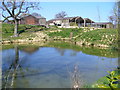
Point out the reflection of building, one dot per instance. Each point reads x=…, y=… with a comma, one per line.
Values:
x=61, y=51
x=30, y=49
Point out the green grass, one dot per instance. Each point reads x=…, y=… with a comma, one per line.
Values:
x=65, y=33
x=107, y=37
x=103, y=36
x=23, y=30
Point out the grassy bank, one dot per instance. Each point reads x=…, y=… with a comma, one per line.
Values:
x=108, y=37
x=65, y=45
x=87, y=50
x=82, y=36
x=101, y=36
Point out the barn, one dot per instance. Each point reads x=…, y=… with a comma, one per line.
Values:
x=32, y=20
x=71, y=21
x=103, y=24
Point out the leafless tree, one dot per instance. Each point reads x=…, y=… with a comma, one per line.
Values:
x=61, y=15
x=115, y=17
x=119, y=14
x=111, y=19
x=12, y=9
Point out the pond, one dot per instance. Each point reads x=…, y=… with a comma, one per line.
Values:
x=52, y=65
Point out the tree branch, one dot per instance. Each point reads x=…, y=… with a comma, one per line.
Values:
x=20, y=8
x=13, y=8
x=7, y=8
x=6, y=18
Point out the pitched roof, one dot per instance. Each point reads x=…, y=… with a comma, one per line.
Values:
x=36, y=16
x=70, y=18
x=88, y=20
x=59, y=19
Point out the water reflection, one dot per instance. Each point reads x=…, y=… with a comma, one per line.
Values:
x=14, y=68
x=30, y=50
x=46, y=67
x=63, y=51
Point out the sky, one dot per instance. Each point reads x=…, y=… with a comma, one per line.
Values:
x=90, y=10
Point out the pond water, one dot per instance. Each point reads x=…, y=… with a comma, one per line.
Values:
x=49, y=66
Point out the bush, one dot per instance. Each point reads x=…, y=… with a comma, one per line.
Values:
x=109, y=81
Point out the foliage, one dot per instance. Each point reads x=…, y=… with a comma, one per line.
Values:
x=109, y=81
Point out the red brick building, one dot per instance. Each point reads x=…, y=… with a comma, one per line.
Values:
x=32, y=20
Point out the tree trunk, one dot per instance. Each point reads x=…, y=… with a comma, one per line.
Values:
x=84, y=22
x=16, y=28
x=15, y=66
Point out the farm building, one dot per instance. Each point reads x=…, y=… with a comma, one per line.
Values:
x=70, y=21
x=103, y=25
x=88, y=22
x=32, y=20
x=73, y=22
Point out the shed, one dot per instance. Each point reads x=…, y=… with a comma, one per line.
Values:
x=104, y=24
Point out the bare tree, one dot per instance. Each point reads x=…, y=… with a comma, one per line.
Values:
x=115, y=17
x=12, y=9
x=61, y=15
x=111, y=19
